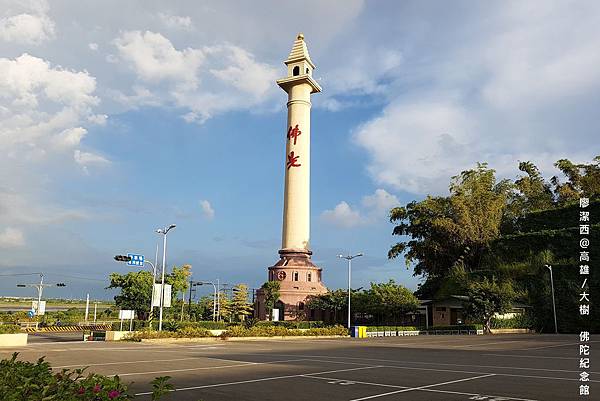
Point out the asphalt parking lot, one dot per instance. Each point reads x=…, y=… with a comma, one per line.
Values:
x=424, y=368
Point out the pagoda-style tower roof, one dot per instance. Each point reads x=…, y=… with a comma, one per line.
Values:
x=299, y=52
x=300, y=67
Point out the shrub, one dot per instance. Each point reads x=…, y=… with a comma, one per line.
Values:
x=272, y=331
x=209, y=325
x=186, y=332
x=302, y=324
x=21, y=380
x=9, y=329
x=517, y=322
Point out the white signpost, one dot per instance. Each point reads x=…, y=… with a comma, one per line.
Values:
x=38, y=311
x=126, y=314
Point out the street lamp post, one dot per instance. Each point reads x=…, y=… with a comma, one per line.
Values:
x=553, y=302
x=349, y=259
x=214, y=296
x=164, y=232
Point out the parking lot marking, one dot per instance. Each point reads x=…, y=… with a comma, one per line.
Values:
x=482, y=344
x=437, y=363
x=260, y=380
x=209, y=367
x=532, y=356
x=452, y=370
x=550, y=346
x=423, y=387
x=129, y=362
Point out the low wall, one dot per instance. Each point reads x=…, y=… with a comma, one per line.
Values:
x=13, y=340
x=117, y=335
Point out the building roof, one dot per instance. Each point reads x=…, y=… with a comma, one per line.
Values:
x=299, y=52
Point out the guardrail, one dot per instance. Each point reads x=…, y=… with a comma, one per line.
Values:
x=70, y=328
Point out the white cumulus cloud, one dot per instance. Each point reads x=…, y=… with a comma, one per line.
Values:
x=207, y=209
x=26, y=28
x=373, y=209
x=153, y=57
x=176, y=21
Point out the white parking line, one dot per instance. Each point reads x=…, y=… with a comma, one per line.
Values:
x=432, y=363
x=531, y=356
x=551, y=346
x=451, y=370
x=421, y=388
x=208, y=367
x=198, y=358
x=260, y=380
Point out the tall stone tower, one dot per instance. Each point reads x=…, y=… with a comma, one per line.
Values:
x=298, y=276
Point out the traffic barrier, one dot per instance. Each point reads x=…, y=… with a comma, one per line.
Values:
x=67, y=329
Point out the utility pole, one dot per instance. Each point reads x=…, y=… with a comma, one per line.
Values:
x=40, y=289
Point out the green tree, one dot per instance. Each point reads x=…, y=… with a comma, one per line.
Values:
x=582, y=180
x=271, y=293
x=239, y=304
x=486, y=298
x=179, y=280
x=135, y=292
x=225, y=309
x=444, y=231
x=392, y=300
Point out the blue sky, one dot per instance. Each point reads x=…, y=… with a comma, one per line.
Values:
x=113, y=124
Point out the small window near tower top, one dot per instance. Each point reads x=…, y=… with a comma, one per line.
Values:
x=307, y=70
x=296, y=71
x=295, y=276
x=309, y=276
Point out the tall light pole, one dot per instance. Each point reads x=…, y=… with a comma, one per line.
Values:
x=214, y=296
x=553, y=302
x=163, y=232
x=349, y=259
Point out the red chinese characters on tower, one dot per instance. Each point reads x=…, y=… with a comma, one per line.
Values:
x=292, y=160
x=294, y=133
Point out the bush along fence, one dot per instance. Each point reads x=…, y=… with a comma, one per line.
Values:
x=394, y=331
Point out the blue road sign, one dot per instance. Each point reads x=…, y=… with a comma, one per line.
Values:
x=136, y=260
x=31, y=313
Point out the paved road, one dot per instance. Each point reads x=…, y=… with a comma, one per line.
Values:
x=49, y=337
x=434, y=368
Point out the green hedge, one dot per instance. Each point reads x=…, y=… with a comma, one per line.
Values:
x=293, y=324
x=517, y=322
x=393, y=328
x=186, y=332
x=9, y=329
x=272, y=331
